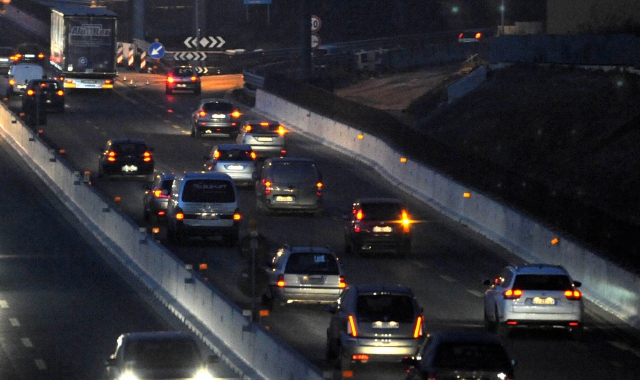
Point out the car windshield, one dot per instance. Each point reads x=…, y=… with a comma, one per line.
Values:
x=385, y=307
x=542, y=282
x=311, y=263
x=234, y=155
x=129, y=148
x=217, y=107
x=381, y=211
x=208, y=191
x=298, y=171
x=44, y=85
x=162, y=353
x=471, y=356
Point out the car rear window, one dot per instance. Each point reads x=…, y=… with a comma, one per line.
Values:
x=235, y=155
x=542, y=282
x=385, y=307
x=471, y=356
x=218, y=107
x=208, y=191
x=162, y=353
x=129, y=148
x=311, y=263
x=258, y=128
x=300, y=172
x=381, y=211
x=183, y=72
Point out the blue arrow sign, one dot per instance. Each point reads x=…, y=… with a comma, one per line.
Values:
x=156, y=50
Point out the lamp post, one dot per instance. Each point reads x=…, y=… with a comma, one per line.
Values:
x=502, y=18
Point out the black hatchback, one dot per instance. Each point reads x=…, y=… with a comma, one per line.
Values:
x=126, y=157
x=47, y=93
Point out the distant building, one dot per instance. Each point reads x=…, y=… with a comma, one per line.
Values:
x=593, y=16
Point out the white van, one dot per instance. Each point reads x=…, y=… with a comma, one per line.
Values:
x=19, y=75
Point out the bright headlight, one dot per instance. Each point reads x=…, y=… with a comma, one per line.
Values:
x=203, y=374
x=128, y=376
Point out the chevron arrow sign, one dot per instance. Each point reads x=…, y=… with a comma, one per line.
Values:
x=205, y=42
x=189, y=56
x=202, y=70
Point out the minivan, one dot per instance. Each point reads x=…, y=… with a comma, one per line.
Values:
x=19, y=75
x=203, y=204
x=289, y=184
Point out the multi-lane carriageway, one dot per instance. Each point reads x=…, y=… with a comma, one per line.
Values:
x=445, y=270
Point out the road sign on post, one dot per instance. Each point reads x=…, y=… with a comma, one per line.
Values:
x=156, y=50
x=316, y=23
x=210, y=42
x=315, y=41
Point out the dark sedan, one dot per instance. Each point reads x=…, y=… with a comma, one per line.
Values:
x=47, y=93
x=126, y=157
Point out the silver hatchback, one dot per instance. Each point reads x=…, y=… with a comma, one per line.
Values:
x=266, y=137
x=304, y=275
x=236, y=160
x=533, y=295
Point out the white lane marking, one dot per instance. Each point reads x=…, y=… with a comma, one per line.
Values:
x=625, y=347
x=476, y=293
x=447, y=278
x=26, y=342
x=176, y=126
x=4, y=304
x=14, y=322
x=420, y=264
x=40, y=364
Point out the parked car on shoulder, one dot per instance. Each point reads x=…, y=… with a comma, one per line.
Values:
x=378, y=225
x=534, y=296
x=304, y=274
x=159, y=355
x=215, y=117
x=461, y=355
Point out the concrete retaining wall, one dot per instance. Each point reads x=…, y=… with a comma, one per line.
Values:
x=254, y=354
x=604, y=283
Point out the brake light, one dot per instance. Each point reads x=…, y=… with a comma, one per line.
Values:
x=359, y=215
x=248, y=128
x=179, y=214
x=267, y=187
x=237, y=216
x=264, y=123
x=216, y=154
x=157, y=193
x=111, y=156
x=202, y=114
x=30, y=92
x=281, y=130
x=161, y=212
x=360, y=357
x=254, y=155
x=170, y=79
x=478, y=36
x=283, y=152
x=460, y=35
x=280, y=281
x=319, y=188
x=60, y=92
x=512, y=294
x=194, y=78
x=15, y=57
x=573, y=294
x=236, y=114
x=12, y=82
x=146, y=156
x=351, y=326
x=417, y=330
x=342, y=284
x=108, y=81
x=40, y=55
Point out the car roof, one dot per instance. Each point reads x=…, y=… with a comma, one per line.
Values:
x=233, y=146
x=318, y=249
x=378, y=200
x=206, y=175
x=382, y=289
x=540, y=269
x=155, y=335
x=466, y=336
x=125, y=140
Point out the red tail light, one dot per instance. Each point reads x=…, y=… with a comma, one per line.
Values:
x=512, y=294
x=280, y=281
x=432, y=377
x=40, y=55
x=254, y=155
x=108, y=81
x=161, y=213
x=202, y=114
x=30, y=92
x=157, y=193
x=15, y=57
x=417, y=330
x=319, y=188
x=573, y=294
x=248, y=128
x=283, y=152
x=170, y=79
x=236, y=114
x=342, y=284
x=351, y=326
x=360, y=357
x=478, y=36
x=179, y=214
x=12, y=82
x=267, y=187
x=237, y=216
x=264, y=123
x=460, y=35
x=60, y=92
x=216, y=154
x=194, y=78
x=111, y=156
x=359, y=215
x=146, y=156
x=281, y=130
x=406, y=222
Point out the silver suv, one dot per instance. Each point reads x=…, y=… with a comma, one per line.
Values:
x=215, y=117
x=158, y=355
x=289, y=184
x=374, y=323
x=266, y=137
x=533, y=295
x=203, y=204
x=304, y=275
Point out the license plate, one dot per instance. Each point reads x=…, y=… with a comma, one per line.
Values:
x=129, y=168
x=235, y=167
x=544, y=301
x=48, y=100
x=218, y=116
x=207, y=216
x=385, y=325
x=181, y=85
x=382, y=229
x=265, y=139
x=312, y=280
x=284, y=198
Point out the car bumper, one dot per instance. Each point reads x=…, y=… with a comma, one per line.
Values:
x=306, y=294
x=381, y=243
x=121, y=169
x=208, y=228
x=377, y=351
x=270, y=205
